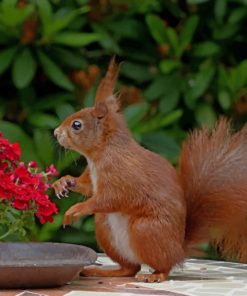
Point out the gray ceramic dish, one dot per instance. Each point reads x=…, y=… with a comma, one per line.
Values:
x=37, y=265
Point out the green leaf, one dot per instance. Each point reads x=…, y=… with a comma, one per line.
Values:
x=72, y=59
x=106, y=40
x=187, y=33
x=162, y=86
x=15, y=134
x=224, y=99
x=161, y=143
x=196, y=1
x=220, y=9
x=206, y=48
x=237, y=15
x=172, y=37
x=126, y=27
x=55, y=74
x=66, y=159
x=51, y=101
x=43, y=120
x=198, y=84
x=134, y=113
x=225, y=31
x=44, y=146
x=75, y=39
x=61, y=21
x=9, y=3
x=238, y=77
x=11, y=16
x=158, y=122
x=157, y=28
x=63, y=110
x=137, y=72
x=24, y=69
x=6, y=57
x=223, y=77
x=205, y=115
x=45, y=10
x=169, y=102
x=167, y=66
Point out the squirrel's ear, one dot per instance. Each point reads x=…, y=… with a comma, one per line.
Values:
x=105, y=91
x=100, y=110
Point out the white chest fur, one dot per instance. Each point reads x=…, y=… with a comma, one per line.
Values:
x=93, y=174
x=120, y=236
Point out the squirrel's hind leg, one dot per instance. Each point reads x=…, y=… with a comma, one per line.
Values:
x=151, y=278
x=158, y=245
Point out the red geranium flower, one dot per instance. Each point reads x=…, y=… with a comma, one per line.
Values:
x=24, y=187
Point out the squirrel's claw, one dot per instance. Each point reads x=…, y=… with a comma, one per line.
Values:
x=58, y=196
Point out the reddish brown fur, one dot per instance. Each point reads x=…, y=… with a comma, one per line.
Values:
x=166, y=212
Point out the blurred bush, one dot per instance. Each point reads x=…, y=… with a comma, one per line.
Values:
x=184, y=64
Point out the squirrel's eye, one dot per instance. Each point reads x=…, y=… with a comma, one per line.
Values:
x=76, y=125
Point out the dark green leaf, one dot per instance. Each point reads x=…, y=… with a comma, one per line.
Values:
x=106, y=40
x=172, y=37
x=137, y=72
x=62, y=20
x=205, y=115
x=199, y=84
x=238, y=77
x=158, y=122
x=157, y=28
x=187, y=33
x=45, y=11
x=54, y=72
x=24, y=69
x=6, y=57
x=126, y=28
x=134, y=113
x=70, y=58
x=63, y=110
x=225, y=31
x=44, y=146
x=206, y=48
x=75, y=38
x=220, y=9
x=169, y=102
x=43, y=120
x=224, y=99
x=12, y=16
x=66, y=159
x=167, y=66
x=162, y=86
x=52, y=101
x=237, y=15
x=196, y=1
x=161, y=143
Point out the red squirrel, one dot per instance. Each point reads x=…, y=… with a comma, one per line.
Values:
x=146, y=211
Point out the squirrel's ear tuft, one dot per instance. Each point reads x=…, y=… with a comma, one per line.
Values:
x=100, y=110
x=105, y=91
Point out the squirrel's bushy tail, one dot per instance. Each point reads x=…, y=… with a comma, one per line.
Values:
x=213, y=172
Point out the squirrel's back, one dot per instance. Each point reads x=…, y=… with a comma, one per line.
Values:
x=213, y=173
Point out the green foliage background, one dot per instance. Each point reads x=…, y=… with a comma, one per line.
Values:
x=184, y=65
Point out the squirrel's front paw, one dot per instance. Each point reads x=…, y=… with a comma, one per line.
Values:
x=63, y=185
x=74, y=213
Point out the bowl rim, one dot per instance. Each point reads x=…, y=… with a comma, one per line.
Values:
x=39, y=263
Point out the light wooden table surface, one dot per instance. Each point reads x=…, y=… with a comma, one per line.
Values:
x=194, y=277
